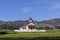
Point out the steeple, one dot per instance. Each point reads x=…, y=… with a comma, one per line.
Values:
x=30, y=20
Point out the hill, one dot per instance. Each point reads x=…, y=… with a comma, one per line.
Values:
x=17, y=24
x=54, y=22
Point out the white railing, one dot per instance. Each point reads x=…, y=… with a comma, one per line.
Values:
x=34, y=30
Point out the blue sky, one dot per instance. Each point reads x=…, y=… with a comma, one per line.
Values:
x=11, y=10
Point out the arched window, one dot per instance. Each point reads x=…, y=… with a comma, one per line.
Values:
x=31, y=27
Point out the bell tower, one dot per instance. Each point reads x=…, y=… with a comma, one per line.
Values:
x=31, y=25
x=30, y=20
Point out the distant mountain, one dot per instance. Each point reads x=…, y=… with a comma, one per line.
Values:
x=17, y=24
x=54, y=22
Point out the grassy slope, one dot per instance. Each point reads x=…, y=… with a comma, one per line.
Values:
x=49, y=33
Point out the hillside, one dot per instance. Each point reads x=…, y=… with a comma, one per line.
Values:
x=17, y=24
x=54, y=22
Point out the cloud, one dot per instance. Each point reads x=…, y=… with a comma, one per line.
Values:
x=53, y=5
x=26, y=9
x=49, y=4
x=57, y=6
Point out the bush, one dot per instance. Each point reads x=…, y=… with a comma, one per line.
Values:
x=3, y=32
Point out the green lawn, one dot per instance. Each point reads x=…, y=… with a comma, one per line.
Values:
x=49, y=33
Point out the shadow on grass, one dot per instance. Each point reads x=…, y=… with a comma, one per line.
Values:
x=36, y=38
x=1, y=33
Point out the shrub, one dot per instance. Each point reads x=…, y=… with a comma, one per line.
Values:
x=3, y=32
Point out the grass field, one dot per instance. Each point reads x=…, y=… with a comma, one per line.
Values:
x=49, y=33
